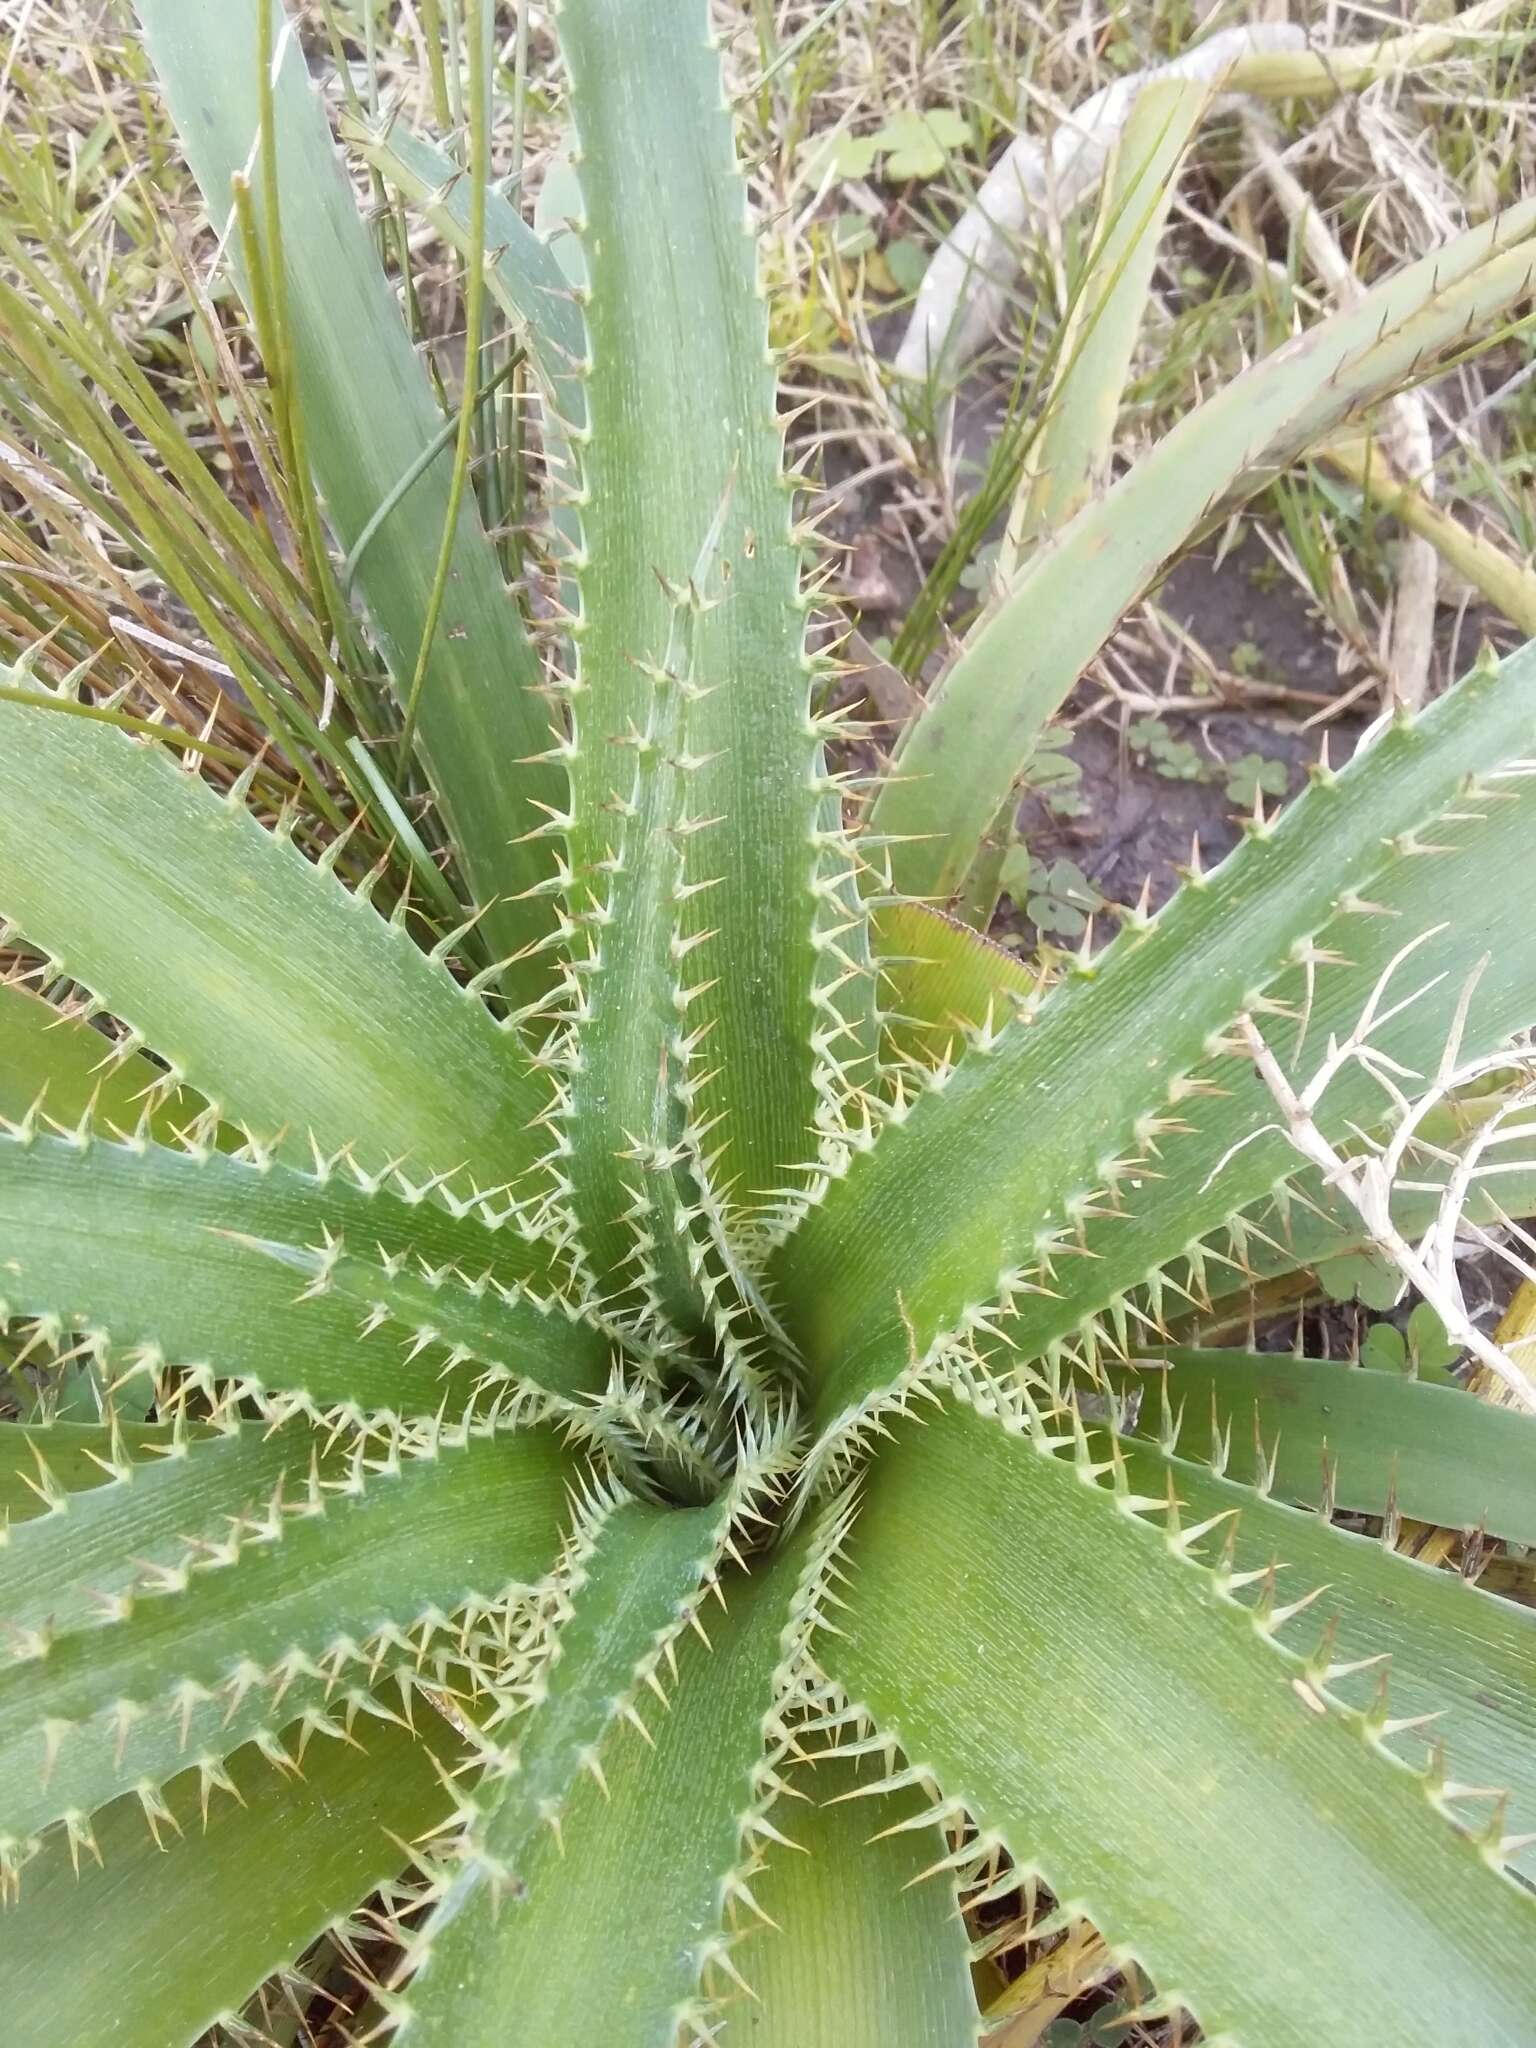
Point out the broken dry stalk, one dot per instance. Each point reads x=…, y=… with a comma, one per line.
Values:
x=1366, y=1183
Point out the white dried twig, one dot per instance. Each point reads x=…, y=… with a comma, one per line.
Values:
x=1405, y=431
x=1367, y=1181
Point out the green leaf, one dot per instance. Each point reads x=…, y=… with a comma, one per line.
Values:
x=54, y=1057
x=152, y=1945
x=522, y=271
x=943, y=979
x=524, y=275
x=638, y=1574
x=160, y=1495
x=1179, y=1241
x=283, y=1282
x=965, y=750
x=1070, y=459
x=1421, y=1638
x=853, y=156
x=368, y=415
x=689, y=565
x=1252, y=775
x=39, y=1460
x=1430, y=1348
x=294, y=1608
x=1384, y=1350
x=865, y=1945
x=629, y=1896
x=287, y=1003
x=939, y=979
x=1365, y=1275
x=907, y=261
x=918, y=145
x=1218, y=1817
x=1056, y=895
x=1363, y=1439
x=974, y=1193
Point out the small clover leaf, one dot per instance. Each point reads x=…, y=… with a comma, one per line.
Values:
x=853, y=156
x=1178, y=761
x=1056, y=896
x=918, y=145
x=1366, y=1276
x=1252, y=773
x=1385, y=1349
x=1431, y=1349
x=907, y=261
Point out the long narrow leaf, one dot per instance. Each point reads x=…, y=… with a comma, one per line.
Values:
x=368, y=416
x=521, y=271
x=865, y=1944
x=294, y=1608
x=230, y=1897
x=261, y=982
x=629, y=1895
x=977, y=1191
x=964, y=751
x=282, y=1282
x=1188, y=1814
x=1421, y=1638
x=707, y=867
x=1321, y=1432
x=1071, y=459
x=639, y=1573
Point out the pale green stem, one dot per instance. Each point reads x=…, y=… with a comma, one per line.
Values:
x=422, y=864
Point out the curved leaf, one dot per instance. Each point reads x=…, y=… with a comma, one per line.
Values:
x=1422, y=1637
x=291, y=1609
x=964, y=751
x=285, y=1001
x=521, y=271
x=368, y=416
x=977, y=1191
x=1320, y=1432
x=153, y=1944
x=1071, y=460
x=283, y=1282
x=1213, y=1812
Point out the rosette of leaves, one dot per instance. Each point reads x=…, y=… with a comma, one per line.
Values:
x=590, y=1496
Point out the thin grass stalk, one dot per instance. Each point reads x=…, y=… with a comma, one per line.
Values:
x=474, y=323
x=432, y=32
x=509, y=438
x=303, y=503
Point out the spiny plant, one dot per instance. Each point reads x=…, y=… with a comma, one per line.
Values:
x=612, y=1461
